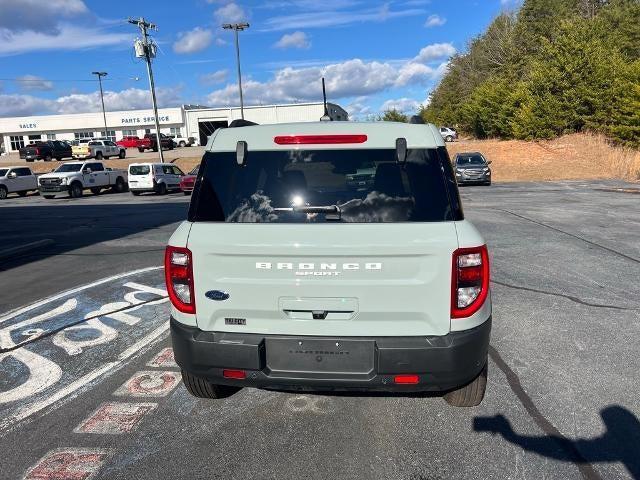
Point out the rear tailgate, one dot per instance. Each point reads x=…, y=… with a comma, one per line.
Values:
x=81, y=150
x=326, y=279
x=29, y=152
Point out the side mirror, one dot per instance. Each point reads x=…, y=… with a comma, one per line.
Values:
x=86, y=170
x=53, y=169
x=241, y=153
x=401, y=150
x=489, y=162
x=12, y=175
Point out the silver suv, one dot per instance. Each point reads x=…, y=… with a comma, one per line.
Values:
x=286, y=276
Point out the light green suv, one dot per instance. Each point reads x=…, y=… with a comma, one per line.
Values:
x=286, y=277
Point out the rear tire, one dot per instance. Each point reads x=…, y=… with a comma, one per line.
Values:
x=49, y=197
x=183, y=144
x=135, y=194
x=58, y=159
x=449, y=138
x=187, y=193
x=141, y=150
x=201, y=388
x=99, y=156
x=471, y=394
x=96, y=190
x=23, y=194
x=3, y=192
x=120, y=185
x=47, y=158
x=122, y=154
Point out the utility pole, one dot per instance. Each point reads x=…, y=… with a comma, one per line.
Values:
x=145, y=48
x=238, y=27
x=104, y=115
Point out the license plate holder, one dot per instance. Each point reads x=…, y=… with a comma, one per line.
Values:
x=332, y=356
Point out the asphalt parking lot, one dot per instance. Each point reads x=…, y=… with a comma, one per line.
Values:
x=88, y=387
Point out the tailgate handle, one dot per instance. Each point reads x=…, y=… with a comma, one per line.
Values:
x=319, y=314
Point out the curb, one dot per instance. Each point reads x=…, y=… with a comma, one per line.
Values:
x=9, y=252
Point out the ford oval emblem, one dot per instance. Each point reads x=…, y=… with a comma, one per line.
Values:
x=216, y=295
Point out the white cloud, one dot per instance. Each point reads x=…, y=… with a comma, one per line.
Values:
x=434, y=52
x=221, y=42
x=230, y=13
x=293, y=40
x=359, y=107
x=68, y=37
x=337, y=17
x=36, y=15
x=404, y=104
x=129, y=99
x=33, y=82
x=193, y=41
x=435, y=21
x=215, y=77
x=350, y=78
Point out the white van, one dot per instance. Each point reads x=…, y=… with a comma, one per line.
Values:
x=154, y=177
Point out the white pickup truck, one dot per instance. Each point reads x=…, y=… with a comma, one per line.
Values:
x=98, y=149
x=20, y=180
x=74, y=177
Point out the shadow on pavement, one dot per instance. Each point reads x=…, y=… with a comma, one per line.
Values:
x=74, y=225
x=619, y=443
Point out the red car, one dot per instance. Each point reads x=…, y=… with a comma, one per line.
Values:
x=188, y=181
x=129, y=142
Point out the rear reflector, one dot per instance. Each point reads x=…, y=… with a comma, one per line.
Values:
x=406, y=379
x=318, y=139
x=234, y=374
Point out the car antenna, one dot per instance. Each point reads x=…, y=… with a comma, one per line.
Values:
x=326, y=117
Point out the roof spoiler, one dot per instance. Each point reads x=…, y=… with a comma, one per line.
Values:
x=241, y=122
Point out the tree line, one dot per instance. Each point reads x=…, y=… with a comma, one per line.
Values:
x=551, y=68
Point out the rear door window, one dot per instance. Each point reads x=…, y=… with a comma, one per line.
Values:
x=139, y=170
x=315, y=186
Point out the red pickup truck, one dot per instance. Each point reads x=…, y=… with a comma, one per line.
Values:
x=129, y=142
x=149, y=142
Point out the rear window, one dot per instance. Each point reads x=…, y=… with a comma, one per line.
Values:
x=316, y=186
x=139, y=170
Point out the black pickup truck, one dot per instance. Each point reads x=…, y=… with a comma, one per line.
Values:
x=150, y=142
x=46, y=150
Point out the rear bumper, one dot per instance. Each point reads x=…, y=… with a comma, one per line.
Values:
x=441, y=362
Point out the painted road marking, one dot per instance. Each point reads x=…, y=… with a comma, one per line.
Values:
x=103, y=371
x=44, y=301
x=42, y=374
x=68, y=464
x=164, y=359
x=149, y=384
x=115, y=418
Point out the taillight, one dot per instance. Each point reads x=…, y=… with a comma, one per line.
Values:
x=406, y=379
x=178, y=273
x=37, y=151
x=469, y=280
x=319, y=139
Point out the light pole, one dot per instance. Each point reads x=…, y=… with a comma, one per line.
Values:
x=238, y=27
x=104, y=115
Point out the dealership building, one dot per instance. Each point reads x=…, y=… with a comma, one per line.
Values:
x=184, y=121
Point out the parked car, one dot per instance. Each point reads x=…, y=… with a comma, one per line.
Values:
x=472, y=167
x=99, y=149
x=150, y=142
x=129, y=142
x=283, y=277
x=73, y=178
x=363, y=177
x=449, y=134
x=188, y=181
x=160, y=178
x=182, y=141
x=18, y=180
x=46, y=150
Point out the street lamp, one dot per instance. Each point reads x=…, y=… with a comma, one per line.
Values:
x=238, y=27
x=104, y=115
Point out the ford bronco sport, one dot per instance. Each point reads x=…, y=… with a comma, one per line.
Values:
x=285, y=277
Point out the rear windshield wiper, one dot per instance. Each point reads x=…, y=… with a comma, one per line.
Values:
x=326, y=209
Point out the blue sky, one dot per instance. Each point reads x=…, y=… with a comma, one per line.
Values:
x=374, y=55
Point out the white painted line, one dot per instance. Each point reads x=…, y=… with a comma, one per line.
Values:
x=44, y=301
x=106, y=369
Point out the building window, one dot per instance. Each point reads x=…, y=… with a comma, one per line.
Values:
x=35, y=138
x=147, y=130
x=81, y=135
x=17, y=142
x=51, y=136
x=129, y=133
x=109, y=134
x=174, y=131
